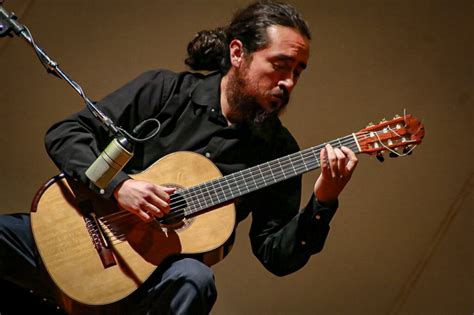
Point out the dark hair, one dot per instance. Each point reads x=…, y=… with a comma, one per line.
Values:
x=209, y=48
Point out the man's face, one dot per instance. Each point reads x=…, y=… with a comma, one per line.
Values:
x=267, y=76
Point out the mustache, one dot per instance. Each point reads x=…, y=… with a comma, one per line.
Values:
x=283, y=95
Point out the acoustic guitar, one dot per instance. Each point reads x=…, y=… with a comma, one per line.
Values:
x=98, y=254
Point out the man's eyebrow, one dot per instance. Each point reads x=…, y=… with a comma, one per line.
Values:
x=288, y=58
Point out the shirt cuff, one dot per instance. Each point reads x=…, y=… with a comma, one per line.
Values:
x=314, y=224
x=107, y=192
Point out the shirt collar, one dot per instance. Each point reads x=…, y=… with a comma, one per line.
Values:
x=208, y=91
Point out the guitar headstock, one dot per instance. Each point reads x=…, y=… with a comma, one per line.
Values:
x=399, y=136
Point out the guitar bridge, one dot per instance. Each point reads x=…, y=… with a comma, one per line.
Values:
x=98, y=237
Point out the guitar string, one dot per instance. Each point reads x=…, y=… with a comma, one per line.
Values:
x=264, y=169
x=295, y=166
x=198, y=193
x=173, y=205
x=204, y=188
x=277, y=175
x=267, y=167
x=179, y=213
x=118, y=238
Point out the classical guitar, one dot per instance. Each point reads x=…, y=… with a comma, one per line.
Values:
x=98, y=254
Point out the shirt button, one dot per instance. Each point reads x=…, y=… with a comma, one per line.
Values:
x=318, y=217
x=208, y=155
x=303, y=243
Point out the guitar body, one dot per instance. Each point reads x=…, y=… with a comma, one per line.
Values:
x=60, y=221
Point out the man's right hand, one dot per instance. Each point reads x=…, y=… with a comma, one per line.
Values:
x=143, y=199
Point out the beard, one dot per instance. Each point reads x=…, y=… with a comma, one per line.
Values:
x=244, y=105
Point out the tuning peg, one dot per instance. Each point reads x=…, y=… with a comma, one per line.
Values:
x=393, y=155
x=380, y=157
x=407, y=150
x=370, y=124
x=396, y=116
x=383, y=120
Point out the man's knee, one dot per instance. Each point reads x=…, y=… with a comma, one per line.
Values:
x=195, y=272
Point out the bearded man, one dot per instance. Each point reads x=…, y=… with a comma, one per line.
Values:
x=231, y=116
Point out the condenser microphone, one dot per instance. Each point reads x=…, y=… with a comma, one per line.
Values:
x=110, y=162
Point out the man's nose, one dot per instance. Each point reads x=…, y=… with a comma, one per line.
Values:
x=287, y=84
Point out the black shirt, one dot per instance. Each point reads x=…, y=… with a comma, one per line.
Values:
x=188, y=108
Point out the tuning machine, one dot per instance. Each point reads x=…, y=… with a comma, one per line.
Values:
x=407, y=150
x=395, y=153
x=380, y=156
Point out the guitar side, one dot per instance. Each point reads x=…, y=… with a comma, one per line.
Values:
x=63, y=236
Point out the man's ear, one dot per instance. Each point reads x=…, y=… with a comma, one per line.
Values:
x=236, y=49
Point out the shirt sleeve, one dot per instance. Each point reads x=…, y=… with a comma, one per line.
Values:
x=75, y=143
x=283, y=238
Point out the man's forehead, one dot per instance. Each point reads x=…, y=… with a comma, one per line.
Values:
x=286, y=43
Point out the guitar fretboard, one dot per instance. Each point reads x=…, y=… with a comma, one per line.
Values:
x=227, y=188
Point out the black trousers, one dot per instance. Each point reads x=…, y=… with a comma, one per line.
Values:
x=178, y=286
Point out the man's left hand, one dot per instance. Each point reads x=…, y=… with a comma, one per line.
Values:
x=337, y=166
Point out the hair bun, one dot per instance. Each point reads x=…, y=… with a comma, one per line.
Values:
x=207, y=50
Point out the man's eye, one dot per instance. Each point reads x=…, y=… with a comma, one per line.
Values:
x=277, y=66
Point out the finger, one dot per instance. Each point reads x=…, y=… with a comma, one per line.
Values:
x=352, y=163
x=153, y=210
x=157, y=204
x=162, y=192
x=324, y=163
x=143, y=215
x=168, y=190
x=332, y=160
x=341, y=162
x=162, y=196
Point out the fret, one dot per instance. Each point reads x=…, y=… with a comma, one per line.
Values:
x=215, y=192
x=293, y=166
x=253, y=178
x=316, y=156
x=204, y=198
x=271, y=172
x=238, y=188
x=230, y=189
x=194, y=200
x=245, y=182
x=187, y=205
x=304, y=162
x=281, y=167
x=261, y=175
x=222, y=190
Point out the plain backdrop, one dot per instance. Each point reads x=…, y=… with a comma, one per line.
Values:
x=401, y=241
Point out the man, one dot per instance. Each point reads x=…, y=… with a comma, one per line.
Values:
x=231, y=117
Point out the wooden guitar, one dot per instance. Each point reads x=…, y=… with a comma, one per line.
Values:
x=98, y=254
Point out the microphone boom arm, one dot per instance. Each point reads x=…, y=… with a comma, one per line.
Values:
x=8, y=22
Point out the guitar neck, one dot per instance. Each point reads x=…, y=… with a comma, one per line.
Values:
x=227, y=188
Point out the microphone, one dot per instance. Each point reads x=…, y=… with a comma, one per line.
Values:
x=111, y=161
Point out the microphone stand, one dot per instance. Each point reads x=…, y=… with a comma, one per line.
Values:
x=9, y=23
x=120, y=150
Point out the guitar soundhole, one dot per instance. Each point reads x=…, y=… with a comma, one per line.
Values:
x=176, y=218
